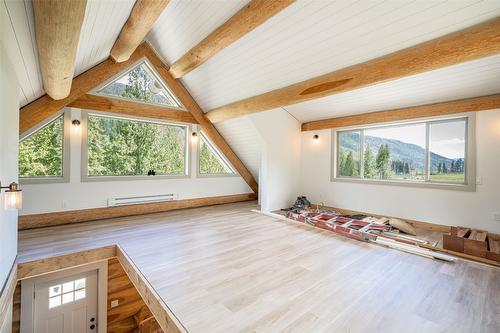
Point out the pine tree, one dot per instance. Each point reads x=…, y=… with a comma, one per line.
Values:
x=349, y=167
x=383, y=162
x=370, y=165
x=445, y=169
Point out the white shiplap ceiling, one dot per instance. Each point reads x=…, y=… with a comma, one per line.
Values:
x=102, y=24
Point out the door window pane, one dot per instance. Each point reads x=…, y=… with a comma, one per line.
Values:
x=447, y=151
x=396, y=152
x=349, y=153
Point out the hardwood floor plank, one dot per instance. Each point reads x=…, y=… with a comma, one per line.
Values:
x=227, y=269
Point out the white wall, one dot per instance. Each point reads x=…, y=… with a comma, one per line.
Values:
x=472, y=209
x=43, y=198
x=279, y=177
x=9, y=129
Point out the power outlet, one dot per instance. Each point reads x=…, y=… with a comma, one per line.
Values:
x=114, y=303
x=496, y=216
x=479, y=180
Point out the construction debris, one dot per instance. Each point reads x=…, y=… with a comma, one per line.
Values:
x=403, y=226
x=473, y=242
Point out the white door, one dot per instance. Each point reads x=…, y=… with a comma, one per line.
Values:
x=66, y=305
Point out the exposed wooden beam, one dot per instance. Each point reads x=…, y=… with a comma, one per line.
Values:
x=207, y=127
x=120, y=106
x=57, y=30
x=83, y=215
x=429, y=110
x=245, y=20
x=141, y=19
x=45, y=107
x=465, y=45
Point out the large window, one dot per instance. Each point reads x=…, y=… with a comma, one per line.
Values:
x=426, y=152
x=210, y=159
x=125, y=147
x=41, y=153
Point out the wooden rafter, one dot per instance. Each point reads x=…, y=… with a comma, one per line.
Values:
x=469, y=44
x=245, y=20
x=429, y=110
x=45, y=107
x=188, y=101
x=130, y=108
x=57, y=28
x=141, y=19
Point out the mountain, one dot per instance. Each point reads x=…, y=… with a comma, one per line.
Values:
x=399, y=150
x=117, y=89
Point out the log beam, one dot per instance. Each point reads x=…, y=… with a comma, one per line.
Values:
x=120, y=106
x=141, y=20
x=57, y=29
x=255, y=13
x=45, y=107
x=429, y=110
x=208, y=128
x=479, y=41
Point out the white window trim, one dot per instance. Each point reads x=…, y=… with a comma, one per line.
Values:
x=470, y=155
x=144, y=60
x=218, y=152
x=66, y=160
x=84, y=160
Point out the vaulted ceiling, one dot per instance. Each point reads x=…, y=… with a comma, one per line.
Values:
x=306, y=39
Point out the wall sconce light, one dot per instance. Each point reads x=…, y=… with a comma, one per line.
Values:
x=76, y=122
x=13, y=196
x=194, y=137
x=316, y=138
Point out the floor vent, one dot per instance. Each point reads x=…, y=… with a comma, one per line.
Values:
x=140, y=200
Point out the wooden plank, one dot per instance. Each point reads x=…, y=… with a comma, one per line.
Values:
x=119, y=106
x=46, y=265
x=141, y=20
x=252, y=15
x=479, y=41
x=75, y=216
x=45, y=107
x=422, y=111
x=208, y=128
x=165, y=317
x=57, y=31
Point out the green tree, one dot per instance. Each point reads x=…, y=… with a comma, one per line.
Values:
x=349, y=165
x=383, y=162
x=210, y=163
x=370, y=165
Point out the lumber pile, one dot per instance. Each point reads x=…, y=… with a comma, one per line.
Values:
x=477, y=243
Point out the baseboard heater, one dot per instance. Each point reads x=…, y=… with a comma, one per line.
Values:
x=141, y=199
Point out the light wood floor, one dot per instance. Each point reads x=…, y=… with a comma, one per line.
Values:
x=226, y=269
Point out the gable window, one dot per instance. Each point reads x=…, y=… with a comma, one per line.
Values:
x=43, y=154
x=140, y=84
x=118, y=147
x=210, y=159
x=421, y=153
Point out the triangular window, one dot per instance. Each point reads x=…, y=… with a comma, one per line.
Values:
x=140, y=84
x=211, y=160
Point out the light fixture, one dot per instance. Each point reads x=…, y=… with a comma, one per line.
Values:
x=316, y=138
x=194, y=137
x=76, y=122
x=13, y=196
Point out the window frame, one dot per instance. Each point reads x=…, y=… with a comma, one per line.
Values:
x=218, y=152
x=148, y=64
x=66, y=151
x=470, y=155
x=84, y=153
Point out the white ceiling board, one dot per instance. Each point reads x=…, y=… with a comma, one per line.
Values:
x=311, y=38
x=184, y=23
x=244, y=140
x=471, y=79
x=101, y=26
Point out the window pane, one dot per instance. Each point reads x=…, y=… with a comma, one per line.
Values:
x=55, y=290
x=210, y=160
x=122, y=147
x=80, y=283
x=396, y=152
x=54, y=301
x=140, y=84
x=68, y=286
x=349, y=150
x=79, y=294
x=41, y=153
x=447, y=151
x=66, y=298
